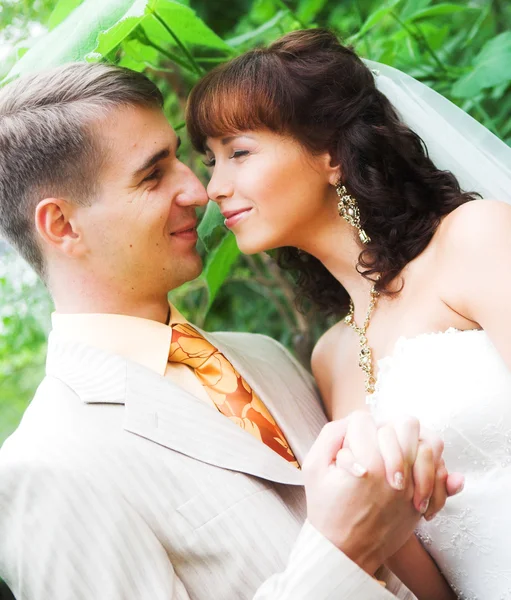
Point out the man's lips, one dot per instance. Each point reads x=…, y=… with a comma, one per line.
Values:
x=232, y=217
x=187, y=232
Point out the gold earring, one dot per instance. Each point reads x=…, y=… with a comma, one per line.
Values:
x=348, y=210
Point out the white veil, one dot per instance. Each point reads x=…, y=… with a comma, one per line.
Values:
x=455, y=141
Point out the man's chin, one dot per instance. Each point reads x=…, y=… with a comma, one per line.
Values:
x=198, y=268
x=187, y=273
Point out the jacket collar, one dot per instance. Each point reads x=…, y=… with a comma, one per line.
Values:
x=159, y=410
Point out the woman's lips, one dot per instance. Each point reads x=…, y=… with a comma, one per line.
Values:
x=232, y=218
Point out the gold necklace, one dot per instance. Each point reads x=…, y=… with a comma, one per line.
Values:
x=365, y=359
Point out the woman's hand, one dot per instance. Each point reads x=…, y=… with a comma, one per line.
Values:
x=411, y=452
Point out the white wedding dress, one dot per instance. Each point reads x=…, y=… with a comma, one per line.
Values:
x=457, y=384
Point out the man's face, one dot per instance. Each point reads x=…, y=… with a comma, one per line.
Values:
x=140, y=233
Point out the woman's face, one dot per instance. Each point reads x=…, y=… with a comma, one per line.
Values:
x=270, y=189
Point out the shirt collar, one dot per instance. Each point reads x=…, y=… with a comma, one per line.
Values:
x=143, y=341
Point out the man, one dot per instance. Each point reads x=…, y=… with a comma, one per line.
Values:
x=154, y=461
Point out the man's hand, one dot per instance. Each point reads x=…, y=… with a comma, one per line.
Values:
x=349, y=499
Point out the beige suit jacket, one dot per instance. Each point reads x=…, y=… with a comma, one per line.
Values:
x=118, y=484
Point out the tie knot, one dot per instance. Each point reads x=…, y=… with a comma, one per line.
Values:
x=189, y=347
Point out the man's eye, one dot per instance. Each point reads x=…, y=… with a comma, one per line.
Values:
x=153, y=175
x=209, y=162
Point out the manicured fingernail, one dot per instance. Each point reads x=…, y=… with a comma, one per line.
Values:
x=460, y=488
x=431, y=517
x=423, y=506
x=358, y=470
x=399, y=481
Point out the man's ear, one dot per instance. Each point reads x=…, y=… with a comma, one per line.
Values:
x=56, y=225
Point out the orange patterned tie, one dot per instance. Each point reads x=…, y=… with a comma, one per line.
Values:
x=230, y=393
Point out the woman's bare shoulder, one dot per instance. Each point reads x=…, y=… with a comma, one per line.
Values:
x=473, y=221
x=327, y=343
x=473, y=245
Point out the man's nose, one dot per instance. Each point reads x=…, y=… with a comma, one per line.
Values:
x=193, y=191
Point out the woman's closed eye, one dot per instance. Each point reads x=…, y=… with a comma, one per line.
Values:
x=211, y=161
x=239, y=153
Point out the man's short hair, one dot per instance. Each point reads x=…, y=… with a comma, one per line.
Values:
x=47, y=143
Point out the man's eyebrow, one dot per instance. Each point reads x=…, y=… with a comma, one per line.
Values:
x=160, y=155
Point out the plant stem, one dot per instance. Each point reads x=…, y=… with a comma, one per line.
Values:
x=358, y=11
x=489, y=122
x=171, y=56
x=287, y=289
x=420, y=38
x=285, y=7
x=263, y=288
x=211, y=59
x=196, y=67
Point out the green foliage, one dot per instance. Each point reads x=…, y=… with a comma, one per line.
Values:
x=460, y=48
x=487, y=68
x=24, y=324
x=210, y=224
x=62, y=9
x=219, y=266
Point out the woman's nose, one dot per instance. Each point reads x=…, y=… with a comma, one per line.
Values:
x=219, y=187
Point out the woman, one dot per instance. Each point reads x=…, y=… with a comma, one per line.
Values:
x=309, y=156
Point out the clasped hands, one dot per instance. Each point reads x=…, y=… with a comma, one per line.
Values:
x=367, y=486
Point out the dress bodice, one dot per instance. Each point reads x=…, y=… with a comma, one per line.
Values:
x=457, y=384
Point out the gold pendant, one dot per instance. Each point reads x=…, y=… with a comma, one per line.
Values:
x=365, y=356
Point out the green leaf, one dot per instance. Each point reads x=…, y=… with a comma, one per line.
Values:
x=76, y=36
x=491, y=68
x=255, y=33
x=435, y=35
x=112, y=37
x=130, y=63
x=211, y=220
x=183, y=21
x=438, y=10
x=96, y=27
x=308, y=9
x=219, y=265
x=376, y=17
x=140, y=52
x=62, y=10
x=412, y=6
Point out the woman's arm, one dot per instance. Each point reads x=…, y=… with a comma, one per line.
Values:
x=418, y=571
x=331, y=352
x=475, y=251
x=322, y=362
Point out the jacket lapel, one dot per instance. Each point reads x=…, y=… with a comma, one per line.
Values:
x=289, y=394
x=160, y=411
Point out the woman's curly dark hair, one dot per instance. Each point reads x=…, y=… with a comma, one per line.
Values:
x=309, y=86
